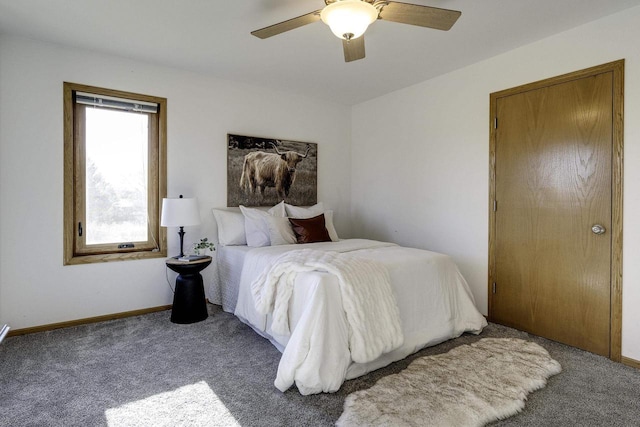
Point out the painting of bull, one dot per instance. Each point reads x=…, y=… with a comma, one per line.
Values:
x=263, y=171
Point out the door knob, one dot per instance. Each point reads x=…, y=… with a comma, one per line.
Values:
x=598, y=229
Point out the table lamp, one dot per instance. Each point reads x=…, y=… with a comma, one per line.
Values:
x=180, y=213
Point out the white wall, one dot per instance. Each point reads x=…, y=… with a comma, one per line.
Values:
x=420, y=161
x=35, y=288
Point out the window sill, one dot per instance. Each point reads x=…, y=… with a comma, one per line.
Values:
x=125, y=256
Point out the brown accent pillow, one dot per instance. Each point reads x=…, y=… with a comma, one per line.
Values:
x=310, y=230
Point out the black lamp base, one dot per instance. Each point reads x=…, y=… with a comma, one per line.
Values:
x=181, y=234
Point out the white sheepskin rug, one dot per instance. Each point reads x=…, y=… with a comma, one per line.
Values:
x=470, y=385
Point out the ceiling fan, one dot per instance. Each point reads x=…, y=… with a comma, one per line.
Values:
x=349, y=19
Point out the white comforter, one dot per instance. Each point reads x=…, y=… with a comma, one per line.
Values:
x=434, y=302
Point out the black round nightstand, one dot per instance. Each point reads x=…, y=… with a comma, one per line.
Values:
x=189, y=303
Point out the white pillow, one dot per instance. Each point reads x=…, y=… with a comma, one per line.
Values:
x=310, y=212
x=230, y=227
x=280, y=231
x=328, y=223
x=304, y=213
x=255, y=224
x=278, y=210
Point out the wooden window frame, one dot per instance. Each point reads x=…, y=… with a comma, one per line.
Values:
x=75, y=249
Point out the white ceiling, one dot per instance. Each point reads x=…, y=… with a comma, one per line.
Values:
x=212, y=36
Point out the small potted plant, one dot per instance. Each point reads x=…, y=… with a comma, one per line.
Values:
x=203, y=246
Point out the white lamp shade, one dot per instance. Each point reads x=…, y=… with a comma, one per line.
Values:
x=349, y=17
x=179, y=212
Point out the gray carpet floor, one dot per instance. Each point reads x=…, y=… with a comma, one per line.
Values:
x=70, y=377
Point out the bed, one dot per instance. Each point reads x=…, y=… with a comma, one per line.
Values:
x=434, y=304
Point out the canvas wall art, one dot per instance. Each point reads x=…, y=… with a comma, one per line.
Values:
x=264, y=171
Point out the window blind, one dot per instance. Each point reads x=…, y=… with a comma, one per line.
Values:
x=113, y=102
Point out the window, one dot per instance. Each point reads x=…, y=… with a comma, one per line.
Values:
x=114, y=175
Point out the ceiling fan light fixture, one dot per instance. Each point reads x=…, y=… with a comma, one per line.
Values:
x=349, y=19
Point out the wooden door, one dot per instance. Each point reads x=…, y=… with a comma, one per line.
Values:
x=554, y=182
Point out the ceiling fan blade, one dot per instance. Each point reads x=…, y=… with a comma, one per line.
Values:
x=423, y=16
x=353, y=49
x=291, y=24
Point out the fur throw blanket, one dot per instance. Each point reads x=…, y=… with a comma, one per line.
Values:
x=367, y=298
